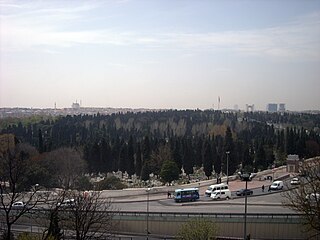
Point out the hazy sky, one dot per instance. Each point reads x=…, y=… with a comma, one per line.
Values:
x=160, y=54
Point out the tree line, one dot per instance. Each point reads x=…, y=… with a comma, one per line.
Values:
x=140, y=143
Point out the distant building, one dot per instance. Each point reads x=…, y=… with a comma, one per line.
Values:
x=293, y=163
x=272, y=107
x=282, y=107
x=75, y=105
x=250, y=107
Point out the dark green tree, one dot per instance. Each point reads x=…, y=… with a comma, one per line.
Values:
x=130, y=166
x=260, y=157
x=177, y=153
x=199, y=152
x=146, y=166
x=207, y=159
x=123, y=156
x=229, y=151
x=169, y=171
x=218, y=143
x=138, y=165
x=188, y=156
x=41, y=147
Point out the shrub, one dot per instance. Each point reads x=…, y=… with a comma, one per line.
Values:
x=198, y=229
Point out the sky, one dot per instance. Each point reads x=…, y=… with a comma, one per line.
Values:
x=160, y=54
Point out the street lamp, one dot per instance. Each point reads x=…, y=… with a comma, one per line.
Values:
x=228, y=152
x=148, y=190
x=245, y=177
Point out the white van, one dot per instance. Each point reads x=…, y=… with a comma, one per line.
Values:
x=212, y=188
x=221, y=194
x=276, y=185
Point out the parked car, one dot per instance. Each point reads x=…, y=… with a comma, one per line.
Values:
x=295, y=181
x=243, y=192
x=313, y=197
x=67, y=203
x=18, y=205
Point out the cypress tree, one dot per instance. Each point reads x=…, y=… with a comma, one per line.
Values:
x=188, y=157
x=207, y=159
x=138, y=165
x=130, y=166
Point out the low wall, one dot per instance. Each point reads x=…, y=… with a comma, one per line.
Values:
x=230, y=225
x=166, y=225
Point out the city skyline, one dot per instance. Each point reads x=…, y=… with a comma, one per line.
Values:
x=160, y=54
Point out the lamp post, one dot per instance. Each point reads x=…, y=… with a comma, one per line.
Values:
x=228, y=152
x=245, y=177
x=148, y=190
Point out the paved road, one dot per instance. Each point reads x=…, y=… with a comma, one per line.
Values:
x=268, y=203
x=259, y=202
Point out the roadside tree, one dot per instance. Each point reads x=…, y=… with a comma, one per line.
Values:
x=14, y=201
x=66, y=165
x=84, y=214
x=89, y=217
x=305, y=198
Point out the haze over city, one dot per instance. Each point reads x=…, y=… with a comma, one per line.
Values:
x=160, y=54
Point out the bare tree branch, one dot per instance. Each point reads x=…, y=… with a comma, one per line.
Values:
x=306, y=197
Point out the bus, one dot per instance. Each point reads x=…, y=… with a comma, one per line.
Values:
x=186, y=195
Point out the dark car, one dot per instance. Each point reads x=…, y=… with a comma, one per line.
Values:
x=243, y=192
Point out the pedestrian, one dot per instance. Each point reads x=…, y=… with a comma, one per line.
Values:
x=269, y=190
x=262, y=188
x=169, y=194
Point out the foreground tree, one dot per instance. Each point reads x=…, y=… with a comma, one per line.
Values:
x=13, y=166
x=66, y=166
x=90, y=216
x=198, y=229
x=87, y=215
x=305, y=199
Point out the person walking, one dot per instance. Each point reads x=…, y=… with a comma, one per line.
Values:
x=262, y=188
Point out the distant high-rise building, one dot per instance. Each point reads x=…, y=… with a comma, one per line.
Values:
x=272, y=107
x=282, y=107
x=250, y=107
x=75, y=105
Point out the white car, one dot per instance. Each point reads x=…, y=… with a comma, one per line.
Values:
x=18, y=205
x=221, y=194
x=67, y=203
x=295, y=181
x=276, y=185
x=313, y=197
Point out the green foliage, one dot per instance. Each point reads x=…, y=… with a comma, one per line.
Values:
x=83, y=183
x=30, y=236
x=126, y=141
x=169, y=171
x=198, y=229
x=111, y=183
x=208, y=159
